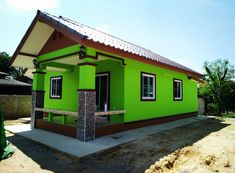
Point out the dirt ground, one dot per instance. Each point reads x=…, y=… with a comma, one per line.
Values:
x=204, y=146
x=213, y=153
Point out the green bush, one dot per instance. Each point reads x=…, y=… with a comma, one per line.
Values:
x=213, y=109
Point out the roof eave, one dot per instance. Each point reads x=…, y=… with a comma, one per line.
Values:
x=75, y=36
x=23, y=40
x=90, y=43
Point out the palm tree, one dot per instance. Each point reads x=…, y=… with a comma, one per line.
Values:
x=216, y=81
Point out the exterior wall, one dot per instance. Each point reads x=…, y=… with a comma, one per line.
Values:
x=201, y=106
x=70, y=81
x=16, y=106
x=69, y=97
x=164, y=104
x=125, y=88
x=116, y=71
x=64, y=51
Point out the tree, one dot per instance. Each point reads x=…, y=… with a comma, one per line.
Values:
x=228, y=95
x=217, y=73
x=5, y=66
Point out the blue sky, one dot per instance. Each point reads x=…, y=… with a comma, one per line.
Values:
x=186, y=31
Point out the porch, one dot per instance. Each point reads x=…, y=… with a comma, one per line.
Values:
x=65, y=122
x=77, y=94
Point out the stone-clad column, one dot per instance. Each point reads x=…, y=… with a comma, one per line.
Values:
x=37, y=102
x=86, y=115
x=37, y=96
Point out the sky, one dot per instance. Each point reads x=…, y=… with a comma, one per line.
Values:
x=189, y=32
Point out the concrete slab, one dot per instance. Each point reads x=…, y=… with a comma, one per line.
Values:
x=76, y=148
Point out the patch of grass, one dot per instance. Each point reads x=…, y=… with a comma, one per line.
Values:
x=228, y=115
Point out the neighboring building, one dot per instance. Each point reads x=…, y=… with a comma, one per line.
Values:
x=15, y=97
x=10, y=86
x=24, y=78
x=82, y=72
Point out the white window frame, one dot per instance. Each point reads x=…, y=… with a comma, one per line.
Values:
x=181, y=89
x=153, y=98
x=56, y=95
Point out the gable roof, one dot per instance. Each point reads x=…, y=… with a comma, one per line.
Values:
x=88, y=36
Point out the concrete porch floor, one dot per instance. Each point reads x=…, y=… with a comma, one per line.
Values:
x=79, y=149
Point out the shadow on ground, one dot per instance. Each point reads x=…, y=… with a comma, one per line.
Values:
x=134, y=156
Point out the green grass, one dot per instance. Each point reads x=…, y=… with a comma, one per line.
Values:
x=228, y=115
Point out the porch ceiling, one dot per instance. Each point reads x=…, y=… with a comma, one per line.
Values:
x=71, y=60
x=37, y=38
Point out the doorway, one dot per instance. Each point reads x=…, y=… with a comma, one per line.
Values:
x=102, y=86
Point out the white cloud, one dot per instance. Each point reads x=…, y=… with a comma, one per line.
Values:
x=33, y=4
x=104, y=28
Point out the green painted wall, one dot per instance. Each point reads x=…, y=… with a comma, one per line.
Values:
x=125, y=89
x=87, y=77
x=38, y=82
x=70, y=82
x=164, y=104
x=64, y=51
x=116, y=85
x=69, y=98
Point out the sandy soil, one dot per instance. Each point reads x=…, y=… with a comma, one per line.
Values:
x=213, y=153
x=17, y=121
x=205, y=146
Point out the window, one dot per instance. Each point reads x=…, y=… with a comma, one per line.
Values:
x=148, y=87
x=56, y=87
x=177, y=89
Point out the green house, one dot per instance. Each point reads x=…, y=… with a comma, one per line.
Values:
x=87, y=83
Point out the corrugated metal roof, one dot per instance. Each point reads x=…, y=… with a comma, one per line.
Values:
x=12, y=82
x=3, y=73
x=109, y=40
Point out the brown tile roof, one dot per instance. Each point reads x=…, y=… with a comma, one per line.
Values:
x=89, y=33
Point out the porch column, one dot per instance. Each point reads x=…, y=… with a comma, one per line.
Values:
x=86, y=102
x=37, y=96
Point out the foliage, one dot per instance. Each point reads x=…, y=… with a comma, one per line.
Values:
x=218, y=68
x=213, y=109
x=5, y=66
x=217, y=85
x=204, y=89
x=228, y=115
x=228, y=95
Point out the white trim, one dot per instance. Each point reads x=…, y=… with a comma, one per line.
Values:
x=103, y=74
x=56, y=95
x=180, y=82
x=148, y=75
x=154, y=87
